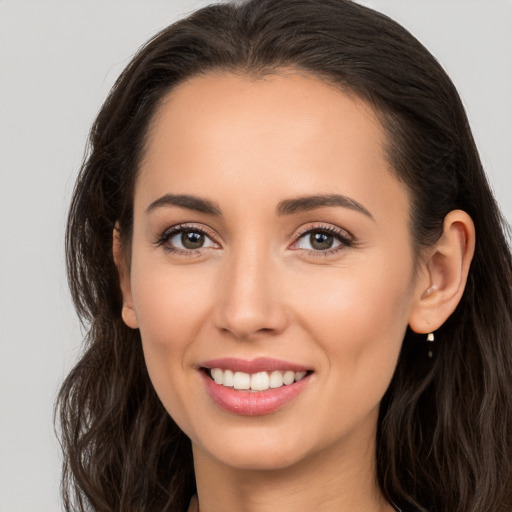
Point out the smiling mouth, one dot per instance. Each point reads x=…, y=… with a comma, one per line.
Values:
x=260, y=381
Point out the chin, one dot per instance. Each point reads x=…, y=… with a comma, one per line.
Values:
x=260, y=460
x=255, y=450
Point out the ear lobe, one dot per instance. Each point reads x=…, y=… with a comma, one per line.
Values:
x=444, y=274
x=128, y=311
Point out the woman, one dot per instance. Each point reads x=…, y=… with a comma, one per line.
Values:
x=295, y=278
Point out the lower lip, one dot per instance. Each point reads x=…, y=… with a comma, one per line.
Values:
x=253, y=403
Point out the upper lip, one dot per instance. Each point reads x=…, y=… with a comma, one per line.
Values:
x=260, y=364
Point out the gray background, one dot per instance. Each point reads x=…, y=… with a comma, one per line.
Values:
x=58, y=60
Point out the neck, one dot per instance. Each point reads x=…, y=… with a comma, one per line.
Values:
x=340, y=479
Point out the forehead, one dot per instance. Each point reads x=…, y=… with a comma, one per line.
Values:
x=222, y=107
x=287, y=132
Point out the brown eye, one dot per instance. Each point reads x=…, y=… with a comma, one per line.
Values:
x=321, y=241
x=183, y=240
x=192, y=239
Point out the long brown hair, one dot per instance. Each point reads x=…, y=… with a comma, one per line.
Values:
x=445, y=427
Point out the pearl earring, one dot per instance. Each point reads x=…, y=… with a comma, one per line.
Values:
x=430, y=339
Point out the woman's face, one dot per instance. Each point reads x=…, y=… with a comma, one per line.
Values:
x=270, y=238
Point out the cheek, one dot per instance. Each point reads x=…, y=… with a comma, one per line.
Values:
x=170, y=299
x=359, y=318
x=358, y=322
x=170, y=308
x=166, y=304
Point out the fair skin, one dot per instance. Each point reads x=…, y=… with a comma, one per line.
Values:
x=257, y=283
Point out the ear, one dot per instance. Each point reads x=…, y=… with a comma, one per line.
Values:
x=123, y=269
x=443, y=274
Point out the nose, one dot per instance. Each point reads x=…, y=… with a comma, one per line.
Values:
x=251, y=302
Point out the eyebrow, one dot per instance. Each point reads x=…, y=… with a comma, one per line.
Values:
x=286, y=207
x=189, y=202
x=306, y=203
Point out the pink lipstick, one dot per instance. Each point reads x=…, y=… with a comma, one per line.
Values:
x=253, y=387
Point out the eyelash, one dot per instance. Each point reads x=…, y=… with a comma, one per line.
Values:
x=175, y=230
x=346, y=240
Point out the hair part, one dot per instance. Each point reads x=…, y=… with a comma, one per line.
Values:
x=445, y=427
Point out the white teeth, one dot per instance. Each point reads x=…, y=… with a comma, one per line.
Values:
x=288, y=377
x=217, y=375
x=300, y=376
x=241, y=380
x=260, y=381
x=228, y=379
x=276, y=379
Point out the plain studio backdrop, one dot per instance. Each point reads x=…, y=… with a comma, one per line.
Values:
x=58, y=60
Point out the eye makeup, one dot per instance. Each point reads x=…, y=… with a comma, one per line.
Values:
x=324, y=240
